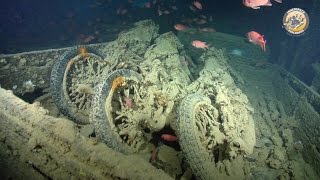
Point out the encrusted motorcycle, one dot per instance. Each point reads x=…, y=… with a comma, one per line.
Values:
x=135, y=87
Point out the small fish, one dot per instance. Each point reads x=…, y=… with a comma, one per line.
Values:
x=88, y=39
x=257, y=39
x=261, y=64
x=169, y=137
x=201, y=21
x=210, y=18
x=121, y=11
x=147, y=5
x=159, y=12
x=255, y=4
x=197, y=4
x=200, y=44
x=180, y=27
x=166, y=12
x=203, y=16
x=174, y=8
x=236, y=52
x=192, y=8
x=207, y=30
x=195, y=19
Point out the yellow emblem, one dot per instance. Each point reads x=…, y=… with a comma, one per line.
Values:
x=295, y=21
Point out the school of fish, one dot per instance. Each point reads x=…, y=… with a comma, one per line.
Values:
x=185, y=24
x=252, y=36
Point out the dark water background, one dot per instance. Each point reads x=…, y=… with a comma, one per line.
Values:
x=28, y=25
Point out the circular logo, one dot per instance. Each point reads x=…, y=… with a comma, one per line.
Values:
x=295, y=21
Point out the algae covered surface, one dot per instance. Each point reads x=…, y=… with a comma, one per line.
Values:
x=224, y=99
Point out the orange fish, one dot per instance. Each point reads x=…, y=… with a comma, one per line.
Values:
x=169, y=137
x=257, y=39
x=255, y=4
x=200, y=44
x=180, y=27
x=197, y=4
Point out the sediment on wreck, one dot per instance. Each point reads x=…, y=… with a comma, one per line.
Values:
x=38, y=146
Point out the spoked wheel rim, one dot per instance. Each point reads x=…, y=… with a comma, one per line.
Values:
x=206, y=126
x=82, y=73
x=121, y=125
x=125, y=101
x=199, y=134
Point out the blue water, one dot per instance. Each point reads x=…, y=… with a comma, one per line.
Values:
x=28, y=25
x=33, y=25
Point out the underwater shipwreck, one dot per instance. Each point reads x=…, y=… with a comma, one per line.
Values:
x=144, y=106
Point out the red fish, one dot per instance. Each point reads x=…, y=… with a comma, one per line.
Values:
x=180, y=27
x=197, y=4
x=169, y=137
x=257, y=39
x=200, y=44
x=255, y=4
